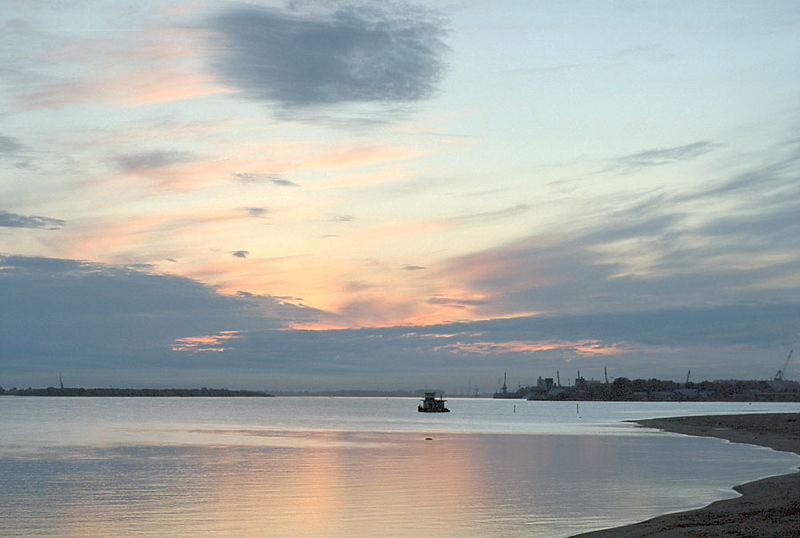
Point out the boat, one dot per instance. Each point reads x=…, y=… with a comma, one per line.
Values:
x=431, y=405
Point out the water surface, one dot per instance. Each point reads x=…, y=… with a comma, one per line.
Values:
x=363, y=466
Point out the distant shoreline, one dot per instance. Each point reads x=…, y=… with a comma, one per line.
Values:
x=767, y=507
x=145, y=393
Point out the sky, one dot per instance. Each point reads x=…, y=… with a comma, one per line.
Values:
x=387, y=195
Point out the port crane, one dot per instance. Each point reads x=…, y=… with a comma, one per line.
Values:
x=782, y=371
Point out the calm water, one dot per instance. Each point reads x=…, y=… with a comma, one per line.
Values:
x=355, y=466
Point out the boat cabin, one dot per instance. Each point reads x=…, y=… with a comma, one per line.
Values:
x=432, y=405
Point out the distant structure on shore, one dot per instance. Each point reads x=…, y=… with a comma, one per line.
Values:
x=779, y=389
x=203, y=392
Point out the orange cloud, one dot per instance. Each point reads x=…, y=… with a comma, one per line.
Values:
x=105, y=238
x=210, y=342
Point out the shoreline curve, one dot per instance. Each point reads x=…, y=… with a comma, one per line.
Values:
x=767, y=507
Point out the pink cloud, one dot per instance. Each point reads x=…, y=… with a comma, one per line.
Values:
x=156, y=65
x=209, y=342
x=109, y=238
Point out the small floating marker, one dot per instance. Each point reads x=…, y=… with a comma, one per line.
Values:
x=515, y=408
x=429, y=438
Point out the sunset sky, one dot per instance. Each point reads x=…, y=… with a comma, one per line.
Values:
x=310, y=195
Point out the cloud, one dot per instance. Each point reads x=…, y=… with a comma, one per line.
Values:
x=241, y=253
x=147, y=160
x=9, y=146
x=354, y=54
x=113, y=325
x=14, y=220
x=264, y=178
x=776, y=178
x=490, y=216
x=256, y=211
x=457, y=303
x=617, y=268
x=210, y=342
x=412, y=268
x=662, y=156
x=642, y=344
x=90, y=315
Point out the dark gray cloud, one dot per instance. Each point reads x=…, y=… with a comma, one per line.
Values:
x=14, y=220
x=453, y=354
x=132, y=162
x=82, y=316
x=241, y=253
x=106, y=325
x=264, y=178
x=353, y=54
x=256, y=211
x=780, y=226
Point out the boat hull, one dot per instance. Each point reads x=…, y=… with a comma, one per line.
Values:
x=421, y=410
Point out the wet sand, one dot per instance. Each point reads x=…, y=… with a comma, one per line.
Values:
x=767, y=507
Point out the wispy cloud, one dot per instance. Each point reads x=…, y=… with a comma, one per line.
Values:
x=457, y=303
x=352, y=54
x=484, y=216
x=147, y=160
x=580, y=347
x=732, y=240
x=548, y=69
x=50, y=68
x=264, y=178
x=663, y=156
x=14, y=220
x=9, y=146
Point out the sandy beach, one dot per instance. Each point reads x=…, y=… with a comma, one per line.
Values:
x=767, y=507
